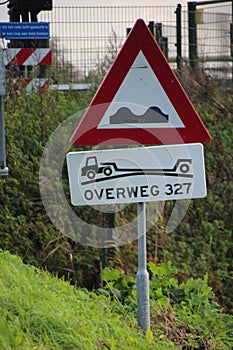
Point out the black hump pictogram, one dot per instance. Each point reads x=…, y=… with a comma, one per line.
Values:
x=152, y=115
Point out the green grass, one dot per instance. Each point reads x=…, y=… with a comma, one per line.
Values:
x=40, y=312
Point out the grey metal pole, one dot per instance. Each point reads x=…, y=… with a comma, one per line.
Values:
x=3, y=167
x=143, y=299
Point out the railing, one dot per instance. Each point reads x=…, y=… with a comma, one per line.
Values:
x=84, y=37
x=210, y=36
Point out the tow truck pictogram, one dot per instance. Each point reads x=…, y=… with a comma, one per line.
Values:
x=92, y=168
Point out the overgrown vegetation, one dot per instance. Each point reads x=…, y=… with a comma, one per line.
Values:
x=39, y=311
x=200, y=248
x=185, y=312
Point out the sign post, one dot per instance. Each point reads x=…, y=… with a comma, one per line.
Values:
x=143, y=291
x=137, y=175
x=3, y=167
x=140, y=102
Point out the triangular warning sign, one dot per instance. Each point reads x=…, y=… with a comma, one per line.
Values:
x=140, y=101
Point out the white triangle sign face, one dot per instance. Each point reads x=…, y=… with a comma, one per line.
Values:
x=140, y=100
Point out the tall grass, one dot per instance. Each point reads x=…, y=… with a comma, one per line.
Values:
x=41, y=312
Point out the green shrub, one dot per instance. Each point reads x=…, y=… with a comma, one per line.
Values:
x=185, y=312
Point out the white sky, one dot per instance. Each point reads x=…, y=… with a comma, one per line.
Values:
x=5, y=18
x=114, y=2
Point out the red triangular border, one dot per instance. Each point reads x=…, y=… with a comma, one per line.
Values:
x=140, y=39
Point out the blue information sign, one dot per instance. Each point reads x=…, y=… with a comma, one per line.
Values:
x=24, y=30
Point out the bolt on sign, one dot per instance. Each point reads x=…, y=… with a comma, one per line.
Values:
x=144, y=174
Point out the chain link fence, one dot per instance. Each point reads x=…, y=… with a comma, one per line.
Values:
x=210, y=37
x=82, y=37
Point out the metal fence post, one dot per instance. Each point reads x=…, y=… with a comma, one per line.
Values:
x=3, y=167
x=178, y=37
x=151, y=26
x=109, y=250
x=192, y=29
x=161, y=40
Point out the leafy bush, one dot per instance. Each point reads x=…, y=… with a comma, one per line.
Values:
x=184, y=312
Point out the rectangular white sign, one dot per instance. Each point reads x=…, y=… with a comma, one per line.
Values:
x=142, y=174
